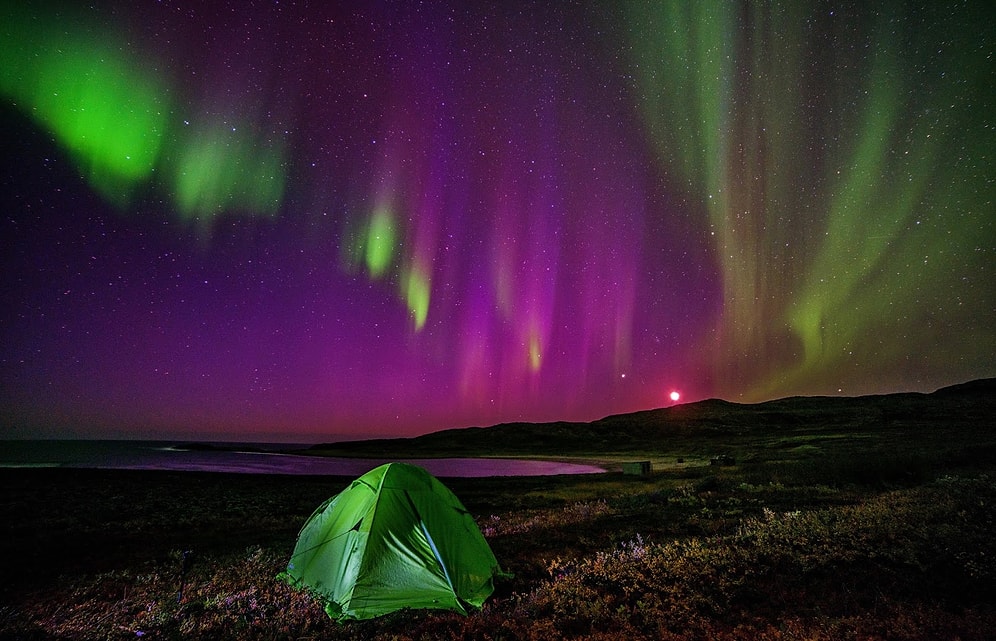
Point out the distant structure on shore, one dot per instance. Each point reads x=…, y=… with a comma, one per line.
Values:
x=637, y=468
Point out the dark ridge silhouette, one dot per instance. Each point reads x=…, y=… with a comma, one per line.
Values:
x=968, y=405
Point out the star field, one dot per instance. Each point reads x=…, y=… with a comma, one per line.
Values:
x=293, y=220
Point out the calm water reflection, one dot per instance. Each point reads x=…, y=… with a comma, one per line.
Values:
x=147, y=455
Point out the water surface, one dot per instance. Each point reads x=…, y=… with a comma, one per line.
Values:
x=158, y=455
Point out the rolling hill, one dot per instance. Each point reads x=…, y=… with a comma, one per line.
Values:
x=959, y=416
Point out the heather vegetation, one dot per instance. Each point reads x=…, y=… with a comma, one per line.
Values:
x=837, y=537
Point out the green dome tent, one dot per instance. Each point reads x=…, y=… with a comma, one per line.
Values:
x=395, y=538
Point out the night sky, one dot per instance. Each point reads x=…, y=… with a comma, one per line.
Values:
x=303, y=221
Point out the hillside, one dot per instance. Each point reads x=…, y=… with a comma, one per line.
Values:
x=840, y=518
x=965, y=413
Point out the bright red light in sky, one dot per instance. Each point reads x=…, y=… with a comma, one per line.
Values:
x=342, y=264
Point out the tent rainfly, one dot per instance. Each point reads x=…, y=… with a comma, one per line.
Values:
x=395, y=538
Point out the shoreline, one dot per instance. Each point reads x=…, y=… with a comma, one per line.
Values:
x=249, y=458
x=88, y=548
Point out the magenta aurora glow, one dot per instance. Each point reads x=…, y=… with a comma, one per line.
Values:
x=292, y=220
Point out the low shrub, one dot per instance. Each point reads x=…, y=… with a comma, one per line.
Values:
x=763, y=562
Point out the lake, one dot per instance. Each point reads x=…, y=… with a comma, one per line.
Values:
x=161, y=455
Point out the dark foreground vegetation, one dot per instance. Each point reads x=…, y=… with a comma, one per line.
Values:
x=882, y=530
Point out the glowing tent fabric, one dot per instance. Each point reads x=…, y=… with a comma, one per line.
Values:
x=395, y=538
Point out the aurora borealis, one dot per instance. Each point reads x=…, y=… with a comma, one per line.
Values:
x=302, y=220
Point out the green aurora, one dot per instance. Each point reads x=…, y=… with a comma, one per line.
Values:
x=118, y=119
x=328, y=216
x=844, y=164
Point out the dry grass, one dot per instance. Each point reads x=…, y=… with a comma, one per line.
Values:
x=806, y=538
x=712, y=559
